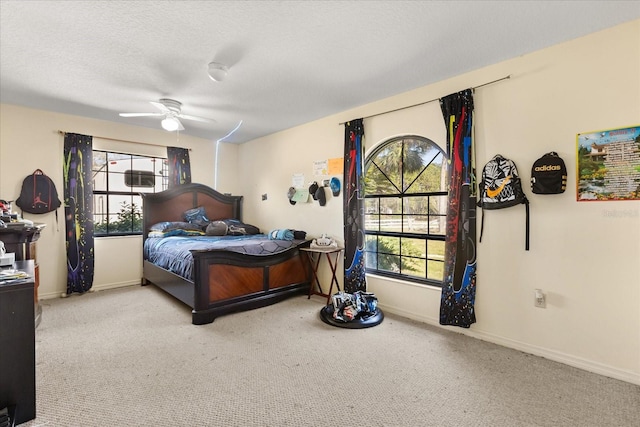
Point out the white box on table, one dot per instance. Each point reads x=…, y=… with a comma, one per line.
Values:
x=7, y=259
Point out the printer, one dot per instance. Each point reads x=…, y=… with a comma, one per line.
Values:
x=6, y=259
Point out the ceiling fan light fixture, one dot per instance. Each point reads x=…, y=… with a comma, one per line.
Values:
x=170, y=124
x=217, y=72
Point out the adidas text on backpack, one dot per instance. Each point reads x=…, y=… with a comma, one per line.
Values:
x=501, y=188
x=549, y=175
x=38, y=194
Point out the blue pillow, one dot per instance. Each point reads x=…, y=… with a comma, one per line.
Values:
x=197, y=216
x=174, y=225
x=176, y=232
x=281, y=234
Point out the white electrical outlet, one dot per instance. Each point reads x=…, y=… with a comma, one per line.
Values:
x=540, y=299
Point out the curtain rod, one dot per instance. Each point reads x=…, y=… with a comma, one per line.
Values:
x=61, y=132
x=429, y=101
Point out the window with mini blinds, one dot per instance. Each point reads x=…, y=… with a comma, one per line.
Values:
x=118, y=181
x=405, y=184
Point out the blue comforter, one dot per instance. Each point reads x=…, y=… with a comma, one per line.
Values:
x=174, y=253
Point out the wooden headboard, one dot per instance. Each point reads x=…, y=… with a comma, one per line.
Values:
x=170, y=205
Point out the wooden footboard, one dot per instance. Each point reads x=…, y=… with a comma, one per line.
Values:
x=229, y=281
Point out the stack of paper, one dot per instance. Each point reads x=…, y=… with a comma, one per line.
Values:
x=10, y=275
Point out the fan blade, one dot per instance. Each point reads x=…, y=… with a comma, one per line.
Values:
x=161, y=107
x=197, y=119
x=180, y=127
x=140, y=114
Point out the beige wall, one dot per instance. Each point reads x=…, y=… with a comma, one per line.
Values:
x=585, y=256
x=29, y=140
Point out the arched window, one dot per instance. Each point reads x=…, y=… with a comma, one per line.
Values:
x=406, y=209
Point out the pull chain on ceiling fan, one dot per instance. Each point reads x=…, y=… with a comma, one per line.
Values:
x=171, y=112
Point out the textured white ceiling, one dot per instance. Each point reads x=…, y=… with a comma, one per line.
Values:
x=290, y=62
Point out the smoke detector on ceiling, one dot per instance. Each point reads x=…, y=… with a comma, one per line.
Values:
x=217, y=71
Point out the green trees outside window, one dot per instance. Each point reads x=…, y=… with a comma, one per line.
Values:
x=129, y=220
x=405, y=209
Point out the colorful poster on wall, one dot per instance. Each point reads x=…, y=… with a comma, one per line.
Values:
x=608, y=165
x=335, y=166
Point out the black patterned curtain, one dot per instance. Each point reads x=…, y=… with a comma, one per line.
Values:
x=353, y=196
x=179, y=166
x=78, y=210
x=459, y=289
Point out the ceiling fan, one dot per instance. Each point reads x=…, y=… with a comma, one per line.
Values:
x=171, y=111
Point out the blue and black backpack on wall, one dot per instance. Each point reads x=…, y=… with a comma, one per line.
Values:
x=38, y=194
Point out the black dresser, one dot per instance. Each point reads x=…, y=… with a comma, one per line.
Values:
x=18, y=347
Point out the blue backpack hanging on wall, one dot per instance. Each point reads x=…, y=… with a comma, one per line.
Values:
x=38, y=194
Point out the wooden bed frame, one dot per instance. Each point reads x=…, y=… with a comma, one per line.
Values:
x=224, y=282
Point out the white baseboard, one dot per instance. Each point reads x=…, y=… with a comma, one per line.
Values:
x=567, y=359
x=95, y=288
x=106, y=286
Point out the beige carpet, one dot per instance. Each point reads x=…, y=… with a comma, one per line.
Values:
x=130, y=357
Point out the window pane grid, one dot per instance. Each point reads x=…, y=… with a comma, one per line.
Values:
x=405, y=255
x=118, y=181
